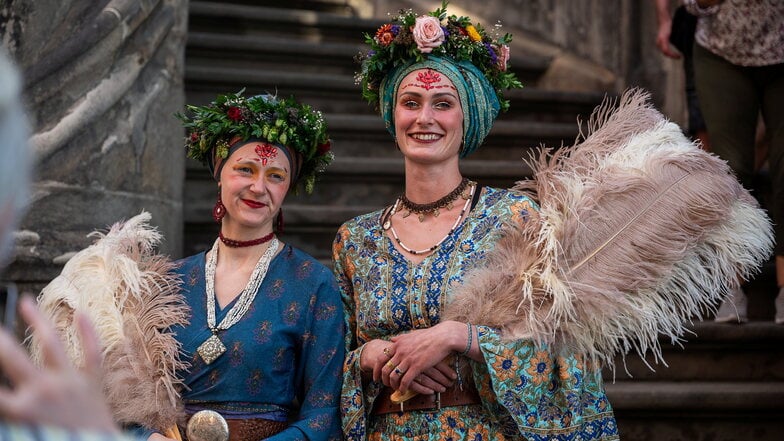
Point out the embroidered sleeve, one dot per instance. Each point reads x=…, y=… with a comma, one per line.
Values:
x=352, y=406
x=539, y=394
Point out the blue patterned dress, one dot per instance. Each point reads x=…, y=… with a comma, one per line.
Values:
x=284, y=357
x=527, y=392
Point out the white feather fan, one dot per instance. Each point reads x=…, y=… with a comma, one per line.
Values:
x=133, y=298
x=639, y=232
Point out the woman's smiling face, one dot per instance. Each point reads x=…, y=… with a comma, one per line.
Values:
x=428, y=117
x=254, y=182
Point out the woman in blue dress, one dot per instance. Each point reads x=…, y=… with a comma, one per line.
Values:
x=265, y=340
x=438, y=81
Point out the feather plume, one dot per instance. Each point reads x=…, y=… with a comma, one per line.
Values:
x=639, y=232
x=132, y=297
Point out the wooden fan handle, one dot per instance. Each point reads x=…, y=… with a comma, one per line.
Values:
x=173, y=432
x=397, y=397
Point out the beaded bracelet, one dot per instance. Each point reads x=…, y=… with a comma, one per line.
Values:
x=470, y=340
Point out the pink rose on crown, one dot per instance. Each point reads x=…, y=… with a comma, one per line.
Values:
x=503, y=56
x=428, y=33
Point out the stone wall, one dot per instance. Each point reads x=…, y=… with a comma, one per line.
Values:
x=102, y=82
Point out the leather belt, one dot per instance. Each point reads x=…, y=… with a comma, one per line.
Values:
x=452, y=397
x=253, y=429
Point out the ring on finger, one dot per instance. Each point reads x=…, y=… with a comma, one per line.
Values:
x=387, y=352
x=391, y=365
x=398, y=371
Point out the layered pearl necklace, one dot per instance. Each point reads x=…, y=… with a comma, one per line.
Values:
x=213, y=347
x=387, y=225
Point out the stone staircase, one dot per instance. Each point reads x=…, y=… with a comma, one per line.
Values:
x=727, y=384
x=310, y=54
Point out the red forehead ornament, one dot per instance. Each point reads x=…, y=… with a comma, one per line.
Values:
x=265, y=152
x=427, y=78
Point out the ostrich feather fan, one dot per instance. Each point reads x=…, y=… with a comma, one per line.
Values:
x=132, y=297
x=639, y=232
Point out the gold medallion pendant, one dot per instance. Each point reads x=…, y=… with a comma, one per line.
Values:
x=211, y=349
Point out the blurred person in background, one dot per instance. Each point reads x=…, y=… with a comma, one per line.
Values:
x=676, y=31
x=739, y=74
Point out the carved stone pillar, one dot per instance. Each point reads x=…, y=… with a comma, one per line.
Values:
x=102, y=82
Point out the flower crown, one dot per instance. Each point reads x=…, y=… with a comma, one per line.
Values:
x=279, y=121
x=409, y=37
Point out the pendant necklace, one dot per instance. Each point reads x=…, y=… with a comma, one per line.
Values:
x=434, y=208
x=213, y=347
x=388, y=223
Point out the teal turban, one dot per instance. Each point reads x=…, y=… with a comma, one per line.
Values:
x=477, y=97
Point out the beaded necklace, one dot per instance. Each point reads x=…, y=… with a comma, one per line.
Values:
x=388, y=223
x=213, y=347
x=433, y=207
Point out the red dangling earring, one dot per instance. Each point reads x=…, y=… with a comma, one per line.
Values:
x=218, y=211
x=279, y=223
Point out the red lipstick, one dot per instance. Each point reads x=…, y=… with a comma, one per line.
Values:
x=253, y=204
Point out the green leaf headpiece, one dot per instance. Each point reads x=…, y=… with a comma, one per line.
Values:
x=212, y=129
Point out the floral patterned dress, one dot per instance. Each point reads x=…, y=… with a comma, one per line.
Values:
x=526, y=391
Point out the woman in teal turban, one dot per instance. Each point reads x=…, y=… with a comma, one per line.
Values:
x=410, y=374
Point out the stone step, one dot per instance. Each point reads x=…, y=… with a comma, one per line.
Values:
x=280, y=53
x=251, y=25
x=702, y=411
x=340, y=7
x=716, y=352
x=253, y=19
x=552, y=105
x=328, y=92
x=696, y=395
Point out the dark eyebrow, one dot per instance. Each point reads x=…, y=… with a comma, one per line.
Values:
x=437, y=95
x=281, y=168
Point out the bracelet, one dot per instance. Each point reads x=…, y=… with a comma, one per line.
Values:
x=470, y=339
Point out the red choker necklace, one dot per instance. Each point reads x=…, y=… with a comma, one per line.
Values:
x=245, y=243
